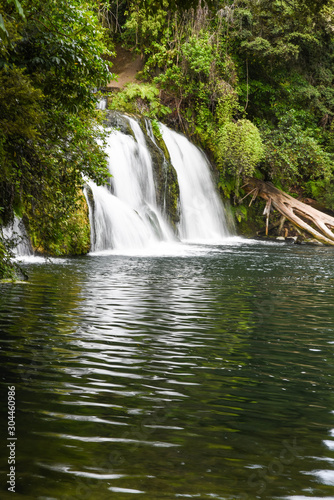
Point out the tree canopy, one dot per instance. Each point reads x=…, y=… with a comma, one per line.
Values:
x=51, y=59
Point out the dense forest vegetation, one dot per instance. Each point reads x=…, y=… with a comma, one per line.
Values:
x=250, y=81
x=51, y=57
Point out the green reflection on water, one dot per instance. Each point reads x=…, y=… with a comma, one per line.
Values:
x=161, y=377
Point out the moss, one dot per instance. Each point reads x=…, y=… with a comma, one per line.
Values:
x=172, y=196
x=71, y=237
x=254, y=222
x=77, y=236
x=161, y=144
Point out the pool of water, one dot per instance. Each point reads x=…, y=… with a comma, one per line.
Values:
x=204, y=373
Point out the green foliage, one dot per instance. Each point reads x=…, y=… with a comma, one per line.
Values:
x=287, y=48
x=57, y=234
x=145, y=19
x=239, y=149
x=20, y=105
x=4, y=24
x=293, y=154
x=7, y=267
x=241, y=213
x=226, y=109
x=321, y=190
x=198, y=54
x=50, y=137
x=140, y=98
x=156, y=129
x=226, y=184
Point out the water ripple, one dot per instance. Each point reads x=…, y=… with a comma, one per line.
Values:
x=208, y=376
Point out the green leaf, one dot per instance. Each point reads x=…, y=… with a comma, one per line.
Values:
x=2, y=26
x=19, y=9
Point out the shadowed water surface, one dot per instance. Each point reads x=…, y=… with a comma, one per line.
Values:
x=205, y=375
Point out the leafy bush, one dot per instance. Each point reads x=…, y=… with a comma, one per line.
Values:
x=8, y=267
x=140, y=98
x=294, y=154
x=51, y=57
x=239, y=149
x=198, y=53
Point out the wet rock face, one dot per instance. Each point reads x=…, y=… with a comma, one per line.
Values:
x=165, y=177
x=172, y=196
x=114, y=119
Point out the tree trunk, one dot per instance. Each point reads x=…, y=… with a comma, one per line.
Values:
x=305, y=217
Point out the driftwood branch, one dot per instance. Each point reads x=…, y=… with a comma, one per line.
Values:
x=303, y=216
x=266, y=212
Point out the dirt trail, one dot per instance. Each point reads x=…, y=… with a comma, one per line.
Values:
x=126, y=66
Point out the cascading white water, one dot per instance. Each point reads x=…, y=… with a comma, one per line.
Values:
x=102, y=103
x=202, y=212
x=125, y=215
x=17, y=232
x=128, y=217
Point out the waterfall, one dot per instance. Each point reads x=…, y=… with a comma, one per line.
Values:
x=17, y=232
x=102, y=103
x=202, y=212
x=125, y=215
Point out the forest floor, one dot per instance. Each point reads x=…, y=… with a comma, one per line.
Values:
x=125, y=65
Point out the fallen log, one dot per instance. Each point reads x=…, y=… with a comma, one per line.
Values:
x=303, y=216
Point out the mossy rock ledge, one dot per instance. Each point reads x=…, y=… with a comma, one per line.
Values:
x=166, y=182
x=118, y=121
